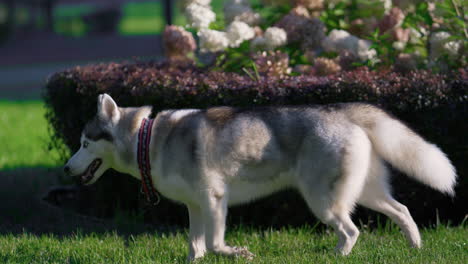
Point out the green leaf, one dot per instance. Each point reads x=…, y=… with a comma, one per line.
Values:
x=342, y=23
x=422, y=7
x=460, y=23
x=338, y=12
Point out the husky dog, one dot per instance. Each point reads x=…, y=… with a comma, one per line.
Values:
x=333, y=155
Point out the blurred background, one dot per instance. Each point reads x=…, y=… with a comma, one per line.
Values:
x=40, y=37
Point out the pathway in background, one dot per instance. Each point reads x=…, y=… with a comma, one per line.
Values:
x=27, y=62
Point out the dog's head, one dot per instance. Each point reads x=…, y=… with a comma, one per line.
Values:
x=96, y=153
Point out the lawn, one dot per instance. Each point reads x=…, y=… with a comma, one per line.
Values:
x=138, y=18
x=34, y=232
x=24, y=136
x=288, y=245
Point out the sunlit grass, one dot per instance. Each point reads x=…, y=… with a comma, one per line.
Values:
x=24, y=136
x=142, y=18
x=289, y=245
x=138, y=18
x=61, y=11
x=141, y=25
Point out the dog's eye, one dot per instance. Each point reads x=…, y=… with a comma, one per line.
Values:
x=85, y=144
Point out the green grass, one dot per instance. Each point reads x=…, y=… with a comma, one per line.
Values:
x=63, y=11
x=138, y=18
x=142, y=18
x=69, y=20
x=290, y=245
x=147, y=18
x=24, y=136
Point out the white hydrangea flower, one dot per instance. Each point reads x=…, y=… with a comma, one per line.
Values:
x=416, y=35
x=364, y=52
x=238, y=32
x=440, y=46
x=399, y=45
x=199, y=16
x=212, y=40
x=275, y=37
x=452, y=48
x=240, y=10
x=199, y=2
x=438, y=37
x=387, y=4
x=341, y=40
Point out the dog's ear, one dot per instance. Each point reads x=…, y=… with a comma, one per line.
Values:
x=107, y=108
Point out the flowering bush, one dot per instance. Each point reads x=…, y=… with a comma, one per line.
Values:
x=405, y=35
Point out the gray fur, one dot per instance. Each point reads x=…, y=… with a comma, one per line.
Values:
x=97, y=130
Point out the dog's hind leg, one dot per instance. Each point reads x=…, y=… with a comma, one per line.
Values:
x=197, y=246
x=376, y=196
x=338, y=218
x=332, y=198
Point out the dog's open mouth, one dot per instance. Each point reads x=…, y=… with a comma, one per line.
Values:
x=88, y=175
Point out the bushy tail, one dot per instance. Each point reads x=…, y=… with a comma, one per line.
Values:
x=404, y=149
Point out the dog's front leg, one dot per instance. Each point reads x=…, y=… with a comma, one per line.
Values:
x=215, y=226
x=197, y=246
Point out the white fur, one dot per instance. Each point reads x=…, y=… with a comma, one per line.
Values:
x=108, y=108
x=334, y=206
x=410, y=153
x=179, y=114
x=376, y=195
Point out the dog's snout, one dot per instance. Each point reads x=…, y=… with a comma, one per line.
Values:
x=66, y=169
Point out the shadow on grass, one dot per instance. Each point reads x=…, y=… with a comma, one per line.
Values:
x=23, y=209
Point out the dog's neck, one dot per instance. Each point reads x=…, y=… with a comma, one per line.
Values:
x=127, y=142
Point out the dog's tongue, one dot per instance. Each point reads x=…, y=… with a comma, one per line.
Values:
x=87, y=176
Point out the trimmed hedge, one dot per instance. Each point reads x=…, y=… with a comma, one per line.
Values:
x=434, y=105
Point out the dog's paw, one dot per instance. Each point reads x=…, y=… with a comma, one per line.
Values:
x=244, y=252
x=234, y=252
x=343, y=251
x=194, y=259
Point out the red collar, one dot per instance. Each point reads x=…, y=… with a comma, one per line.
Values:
x=144, y=163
